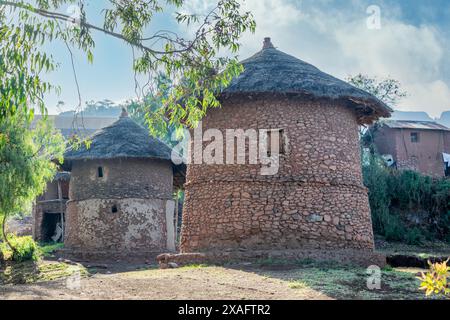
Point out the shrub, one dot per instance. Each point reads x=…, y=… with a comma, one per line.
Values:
x=25, y=249
x=414, y=236
x=436, y=281
x=394, y=195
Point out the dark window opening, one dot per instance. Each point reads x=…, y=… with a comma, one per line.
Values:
x=415, y=137
x=114, y=209
x=51, y=228
x=278, y=146
x=100, y=172
x=447, y=169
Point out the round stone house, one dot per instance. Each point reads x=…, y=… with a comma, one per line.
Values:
x=120, y=194
x=316, y=205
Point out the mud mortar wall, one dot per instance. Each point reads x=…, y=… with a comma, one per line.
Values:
x=317, y=199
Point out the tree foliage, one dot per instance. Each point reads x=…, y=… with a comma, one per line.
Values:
x=387, y=90
x=142, y=110
x=193, y=63
x=25, y=161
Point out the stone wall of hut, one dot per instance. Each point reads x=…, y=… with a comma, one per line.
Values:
x=316, y=201
x=123, y=212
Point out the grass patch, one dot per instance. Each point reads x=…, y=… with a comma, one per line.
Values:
x=351, y=283
x=47, y=249
x=25, y=249
x=31, y=271
x=297, y=285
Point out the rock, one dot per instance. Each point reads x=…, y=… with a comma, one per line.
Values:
x=172, y=265
x=164, y=266
x=315, y=218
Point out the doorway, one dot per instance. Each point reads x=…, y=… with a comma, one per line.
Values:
x=52, y=228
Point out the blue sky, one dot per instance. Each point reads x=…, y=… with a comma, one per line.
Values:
x=411, y=45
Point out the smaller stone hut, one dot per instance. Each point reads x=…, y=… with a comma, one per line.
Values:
x=120, y=198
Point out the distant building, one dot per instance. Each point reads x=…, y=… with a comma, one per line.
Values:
x=422, y=146
x=82, y=126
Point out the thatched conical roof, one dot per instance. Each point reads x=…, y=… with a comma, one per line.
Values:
x=273, y=71
x=123, y=139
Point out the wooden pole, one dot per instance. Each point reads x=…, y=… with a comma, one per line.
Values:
x=61, y=209
x=176, y=220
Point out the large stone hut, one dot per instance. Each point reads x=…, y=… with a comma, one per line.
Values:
x=120, y=195
x=316, y=206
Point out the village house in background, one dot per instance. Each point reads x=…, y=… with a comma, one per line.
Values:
x=316, y=206
x=422, y=146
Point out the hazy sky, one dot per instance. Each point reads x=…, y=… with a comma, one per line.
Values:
x=411, y=44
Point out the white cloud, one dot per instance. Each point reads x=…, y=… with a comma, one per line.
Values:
x=339, y=42
x=432, y=97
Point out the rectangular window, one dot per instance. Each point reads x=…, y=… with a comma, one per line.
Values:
x=100, y=172
x=415, y=137
x=278, y=146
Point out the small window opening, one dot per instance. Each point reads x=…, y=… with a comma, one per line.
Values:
x=415, y=137
x=114, y=209
x=100, y=172
x=278, y=146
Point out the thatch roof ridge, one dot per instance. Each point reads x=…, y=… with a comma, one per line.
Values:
x=273, y=71
x=123, y=139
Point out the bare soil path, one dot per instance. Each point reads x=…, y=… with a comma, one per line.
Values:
x=183, y=283
x=58, y=280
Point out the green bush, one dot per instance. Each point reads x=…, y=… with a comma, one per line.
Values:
x=25, y=249
x=414, y=236
x=393, y=195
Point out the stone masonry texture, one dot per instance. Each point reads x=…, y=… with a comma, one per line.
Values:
x=317, y=201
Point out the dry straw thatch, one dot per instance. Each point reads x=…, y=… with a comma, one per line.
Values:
x=123, y=139
x=273, y=71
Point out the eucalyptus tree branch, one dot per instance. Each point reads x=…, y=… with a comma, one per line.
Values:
x=87, y=25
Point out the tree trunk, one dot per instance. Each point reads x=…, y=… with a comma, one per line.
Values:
x=5, y=236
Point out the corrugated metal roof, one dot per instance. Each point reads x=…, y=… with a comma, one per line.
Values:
x=416, y=125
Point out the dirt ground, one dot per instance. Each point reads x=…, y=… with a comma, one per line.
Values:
x=266, y=281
